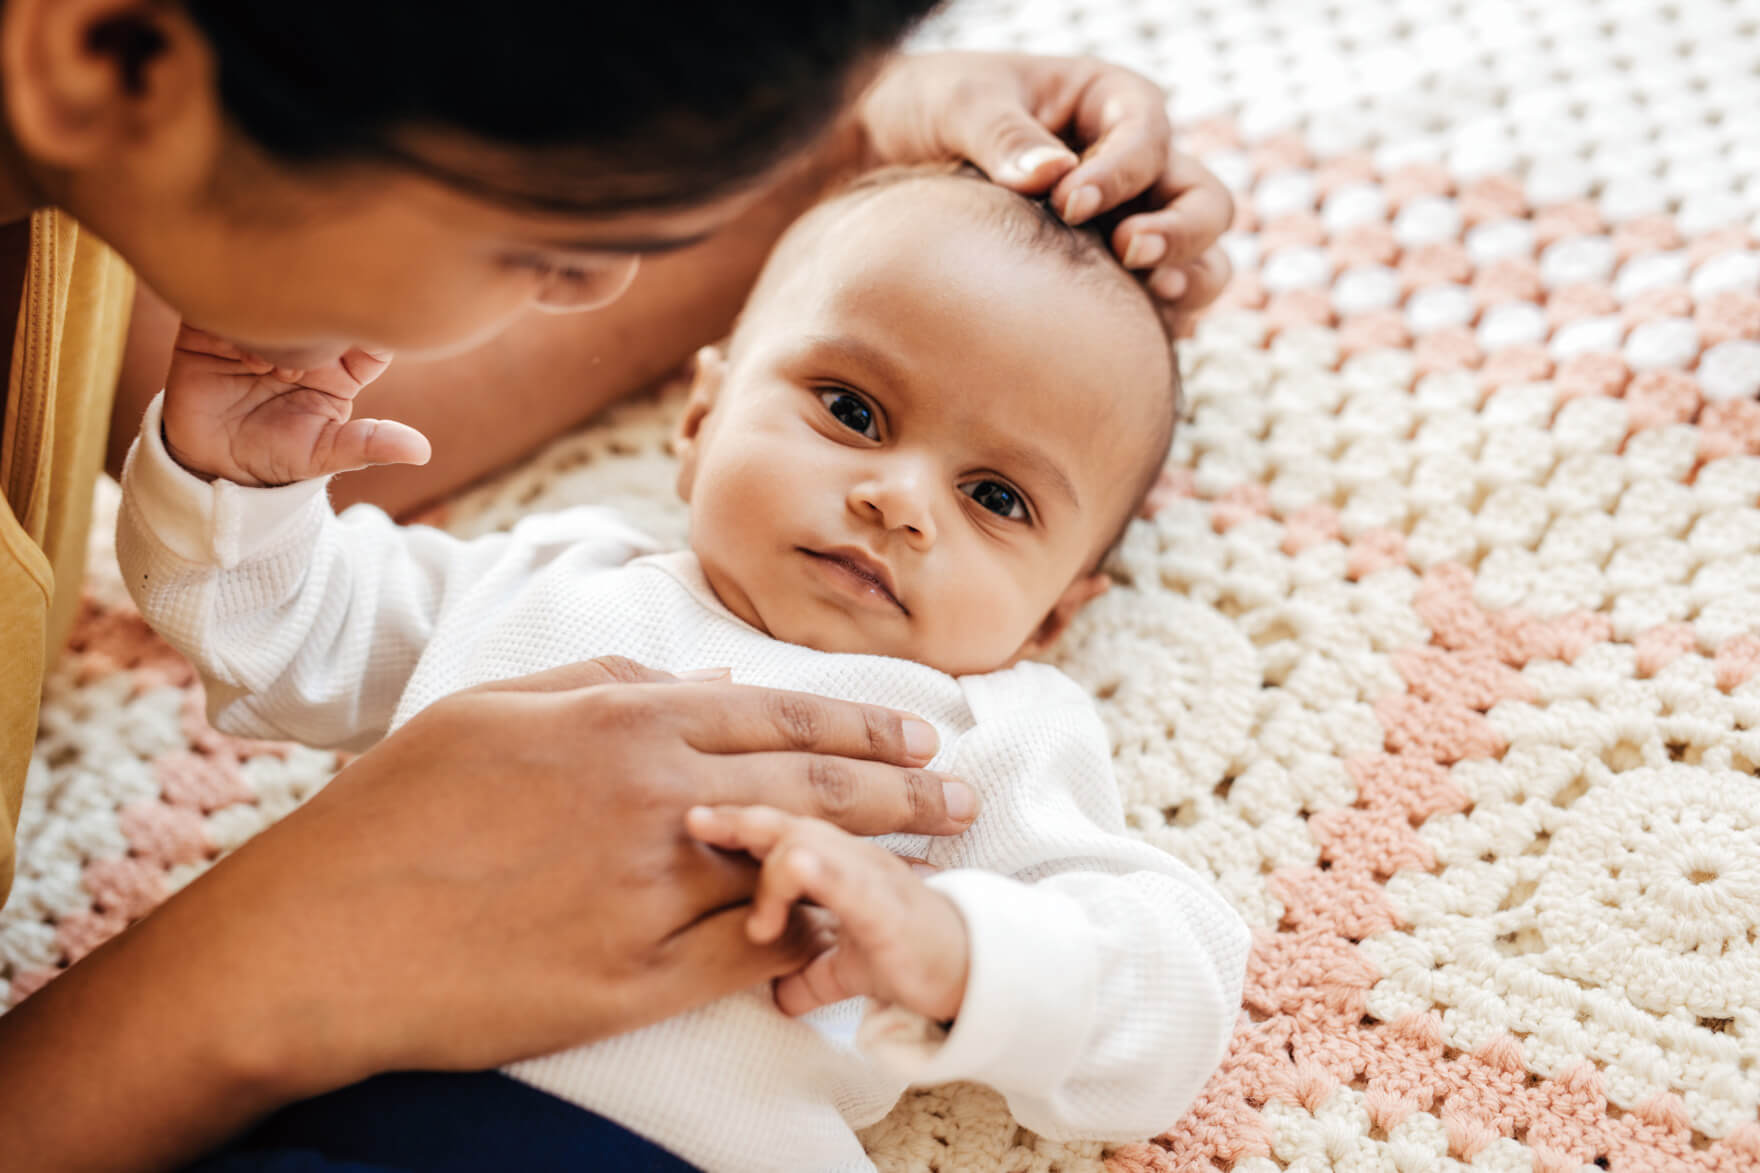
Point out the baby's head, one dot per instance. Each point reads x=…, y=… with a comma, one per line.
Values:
x=939, y=410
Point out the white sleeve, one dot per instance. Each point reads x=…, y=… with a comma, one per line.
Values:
x=1105, y=976
x=306, y=625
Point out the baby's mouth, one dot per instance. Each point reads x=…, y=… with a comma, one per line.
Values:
x=862, y=569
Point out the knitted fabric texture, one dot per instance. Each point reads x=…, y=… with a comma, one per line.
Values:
x=1442, y=659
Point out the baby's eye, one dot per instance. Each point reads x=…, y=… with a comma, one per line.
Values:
x=850, y=411
x=997, y=497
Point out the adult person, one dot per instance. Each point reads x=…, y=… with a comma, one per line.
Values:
x=508, y=874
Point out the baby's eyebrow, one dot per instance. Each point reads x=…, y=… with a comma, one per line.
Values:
x=863, y=354
x=1040, y=467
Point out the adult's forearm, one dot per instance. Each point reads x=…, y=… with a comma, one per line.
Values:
x=166, y=1040
x=500, y=822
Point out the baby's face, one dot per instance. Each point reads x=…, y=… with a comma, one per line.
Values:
x=923, y=435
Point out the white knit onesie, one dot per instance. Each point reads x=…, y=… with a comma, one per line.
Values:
x=1105, y=976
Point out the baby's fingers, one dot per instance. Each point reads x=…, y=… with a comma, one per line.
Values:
x=860, y=882
x=830, y=977
x=755, y=830
x=779, y=839
x=363, y=365
x=201, y=347
x=791, y=872
x=804, y=859
x=364, y=443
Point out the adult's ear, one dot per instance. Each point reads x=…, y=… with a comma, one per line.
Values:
x=1077, y=595
x=687, y=440
x=86, y=80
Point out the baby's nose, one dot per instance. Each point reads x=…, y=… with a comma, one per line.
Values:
x=896, y=503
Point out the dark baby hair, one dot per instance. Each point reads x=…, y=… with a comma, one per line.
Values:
x=589, y=108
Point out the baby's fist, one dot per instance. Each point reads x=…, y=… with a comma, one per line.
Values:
x=231, y=415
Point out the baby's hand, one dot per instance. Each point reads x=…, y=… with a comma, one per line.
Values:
x=897, y=939
x=231, y=415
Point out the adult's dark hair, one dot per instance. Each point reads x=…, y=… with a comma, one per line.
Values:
x=594, y=106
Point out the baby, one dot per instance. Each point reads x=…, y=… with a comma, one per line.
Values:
x=937, y=413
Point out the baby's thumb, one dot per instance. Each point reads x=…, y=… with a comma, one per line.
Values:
x=364, y=443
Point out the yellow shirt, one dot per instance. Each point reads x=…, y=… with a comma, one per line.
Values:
x=67, y=351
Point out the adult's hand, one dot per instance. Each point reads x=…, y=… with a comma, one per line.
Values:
x=506, y=875
x=1018, y=116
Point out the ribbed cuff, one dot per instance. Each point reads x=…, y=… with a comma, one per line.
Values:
x=1030, y=992
x=207, y=522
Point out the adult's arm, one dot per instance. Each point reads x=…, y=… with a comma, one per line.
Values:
x=506, y=875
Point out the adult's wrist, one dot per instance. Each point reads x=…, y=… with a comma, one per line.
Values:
x=857, y=142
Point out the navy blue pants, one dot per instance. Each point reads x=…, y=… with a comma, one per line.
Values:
x=431, y=1122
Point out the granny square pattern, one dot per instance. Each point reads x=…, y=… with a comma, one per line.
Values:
x=1441, y=656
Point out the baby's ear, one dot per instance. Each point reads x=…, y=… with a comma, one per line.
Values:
x=688, y=438
x=1077, y=595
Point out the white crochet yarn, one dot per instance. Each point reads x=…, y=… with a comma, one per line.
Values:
x=1639, y=754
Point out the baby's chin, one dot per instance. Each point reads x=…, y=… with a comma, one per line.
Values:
x=848, y=639
x=809, y=621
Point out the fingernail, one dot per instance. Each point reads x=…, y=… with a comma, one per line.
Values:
x=1144, y=251
x=1023, y=165
x=1171, y=285
x=962, y=804
x=699, y=675
x=1083, y=202
x=922, y=868
x=920, y=739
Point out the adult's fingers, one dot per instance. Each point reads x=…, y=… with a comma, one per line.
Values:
x=863, y=798
x=733, y=718
x=1193, y=209
x=1190, y=288
x=1122, y=127
x=830, y=977
x=1000, y=135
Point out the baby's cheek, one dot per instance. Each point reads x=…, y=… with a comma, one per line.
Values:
x=984, y=622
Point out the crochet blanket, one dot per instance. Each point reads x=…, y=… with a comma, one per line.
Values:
x=1442, y=657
